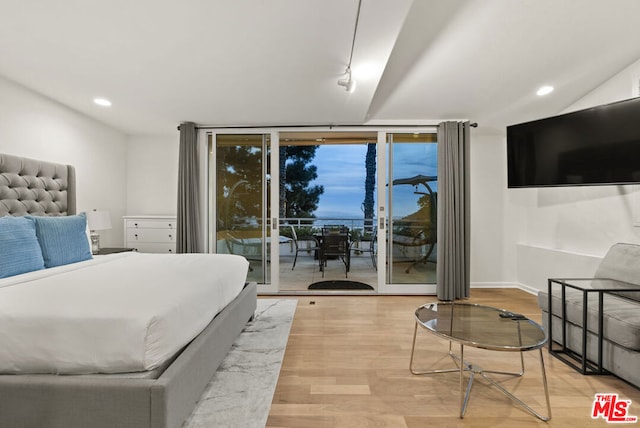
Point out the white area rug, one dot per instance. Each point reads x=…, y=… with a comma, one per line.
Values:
x=240, y=393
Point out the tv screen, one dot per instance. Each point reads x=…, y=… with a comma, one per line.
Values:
x=596, y=146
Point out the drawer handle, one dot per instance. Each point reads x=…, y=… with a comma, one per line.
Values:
x=170, y=250
x=170, y=237
x=135, y=224
x=136, y=236
x=170, y=225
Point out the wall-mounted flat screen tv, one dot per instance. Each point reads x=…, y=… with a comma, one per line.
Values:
x=596, y=146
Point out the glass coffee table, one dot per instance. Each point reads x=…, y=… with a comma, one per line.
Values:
x=487, y=328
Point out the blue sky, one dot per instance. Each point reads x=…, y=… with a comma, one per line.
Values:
x=341, y=170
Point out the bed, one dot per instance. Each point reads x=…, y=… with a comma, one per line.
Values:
x=140, y=374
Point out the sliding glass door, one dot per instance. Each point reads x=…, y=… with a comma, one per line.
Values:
x=239, y=199
x=411, y=206
x=272, y=194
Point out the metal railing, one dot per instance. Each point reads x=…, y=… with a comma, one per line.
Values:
x=354, y=224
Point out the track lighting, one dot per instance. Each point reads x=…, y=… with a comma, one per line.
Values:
x=348, y=83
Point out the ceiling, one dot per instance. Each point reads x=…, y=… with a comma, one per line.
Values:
x=277, y=62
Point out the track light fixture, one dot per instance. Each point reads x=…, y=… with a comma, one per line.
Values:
x=348, y=83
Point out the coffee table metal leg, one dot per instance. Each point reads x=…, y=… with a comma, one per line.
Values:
x=464, y=400
x=519, y=401
x=464, y=395
x=427, y=372
x=413, y=348
x=462, y=366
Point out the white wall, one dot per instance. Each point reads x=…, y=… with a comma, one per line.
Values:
x=152, y=175
x=36, y=127
x=565, y=231
x=491, y=264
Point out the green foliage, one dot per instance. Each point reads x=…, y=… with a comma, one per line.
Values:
x=356, y=234
x=239, y=183
x=240, y=179
x=297, y=198
x=369, y=185
x=306, y=231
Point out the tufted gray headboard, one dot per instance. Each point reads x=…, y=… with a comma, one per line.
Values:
x=29, y=186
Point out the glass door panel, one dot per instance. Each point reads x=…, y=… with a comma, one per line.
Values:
x=411, y=201
x=327, y=179
x=241, y=193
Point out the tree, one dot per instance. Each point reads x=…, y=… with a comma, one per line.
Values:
x=240, y=178
x=239, y=184
x=369, y=186
x=297, y=198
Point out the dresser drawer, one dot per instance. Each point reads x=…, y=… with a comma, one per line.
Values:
x=150, y=224
x=150, y=235
x=153, y=247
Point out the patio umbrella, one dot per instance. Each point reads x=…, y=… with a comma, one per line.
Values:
x=424, y=179
x=419, y=179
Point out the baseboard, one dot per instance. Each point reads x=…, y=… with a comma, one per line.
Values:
x=523, y=287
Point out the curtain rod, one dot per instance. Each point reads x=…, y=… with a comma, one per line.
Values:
x=473, y=125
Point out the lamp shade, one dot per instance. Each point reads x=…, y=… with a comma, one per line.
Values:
x=99, y=220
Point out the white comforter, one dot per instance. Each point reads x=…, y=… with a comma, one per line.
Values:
x=125, y=312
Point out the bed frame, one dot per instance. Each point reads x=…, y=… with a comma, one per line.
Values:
x=33, y=187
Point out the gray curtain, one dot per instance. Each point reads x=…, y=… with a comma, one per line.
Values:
x=188, y=236
x=453, y=211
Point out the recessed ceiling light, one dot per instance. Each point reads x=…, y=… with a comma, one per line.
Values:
x=544, y=90
x=102, y=102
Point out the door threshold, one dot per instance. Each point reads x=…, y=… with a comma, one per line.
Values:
x=320, y=293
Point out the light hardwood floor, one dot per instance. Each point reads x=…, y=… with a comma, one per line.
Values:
x=346, y=366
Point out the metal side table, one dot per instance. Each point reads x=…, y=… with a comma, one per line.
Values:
x=601, y=286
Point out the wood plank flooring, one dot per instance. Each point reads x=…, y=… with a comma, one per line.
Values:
x=346, y=366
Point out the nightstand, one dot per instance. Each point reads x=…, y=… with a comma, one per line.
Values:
x=105, y=251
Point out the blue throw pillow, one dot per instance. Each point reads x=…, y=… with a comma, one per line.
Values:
x=63, y=240
x=19, y=248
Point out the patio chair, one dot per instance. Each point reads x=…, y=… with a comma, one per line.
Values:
x=371, y=248
x=335, y=245
x=294, y=237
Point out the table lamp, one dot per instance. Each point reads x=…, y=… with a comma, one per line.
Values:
x=97, y=220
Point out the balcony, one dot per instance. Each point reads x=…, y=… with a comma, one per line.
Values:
x=413, y=252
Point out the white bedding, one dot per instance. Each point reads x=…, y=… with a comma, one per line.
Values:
x=124, y=312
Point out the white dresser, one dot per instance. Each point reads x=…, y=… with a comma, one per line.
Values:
x=150, y=233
